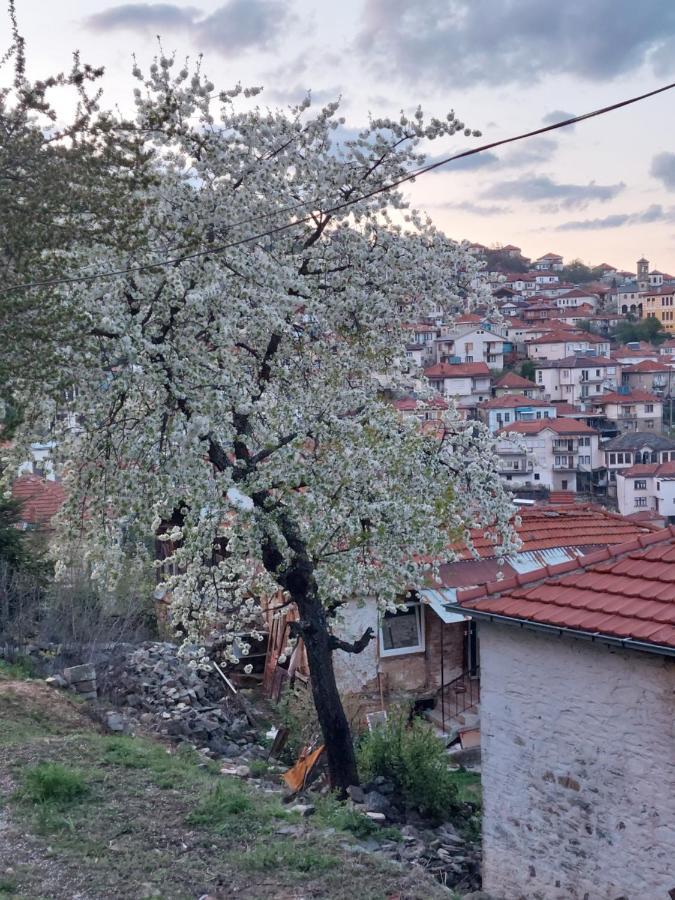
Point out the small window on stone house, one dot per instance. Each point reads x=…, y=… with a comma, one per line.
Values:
x=403, y=631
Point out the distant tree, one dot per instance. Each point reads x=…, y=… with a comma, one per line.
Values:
x=499, y=260
x=527, y=370
x=650, y=330
x=578, y=272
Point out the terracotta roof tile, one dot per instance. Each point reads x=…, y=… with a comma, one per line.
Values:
x=560, y=425
x=40, y=498
x=635, y=396
x=626, y=591
x=512, y=380
x=457, y=370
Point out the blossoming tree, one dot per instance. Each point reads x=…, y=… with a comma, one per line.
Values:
x=231, y=385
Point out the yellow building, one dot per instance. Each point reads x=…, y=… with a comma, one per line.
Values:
x=659, y=303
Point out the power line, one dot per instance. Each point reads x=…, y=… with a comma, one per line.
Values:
x=409, y=176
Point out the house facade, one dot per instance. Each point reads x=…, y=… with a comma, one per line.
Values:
x=558, y=454
x=577, y=683
x=633, y=448
x=500, y=412
x=649, y=486
x=466, y=383
x=632, y=410
x=577, y=379
x=562, y=344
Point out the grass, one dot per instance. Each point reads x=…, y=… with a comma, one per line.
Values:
x=468, y=786
x=291, y=856
x=125, y=813
x=21, y=669
x=52, y=783
x=334, y=814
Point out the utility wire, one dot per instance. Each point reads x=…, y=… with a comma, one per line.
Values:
x=409, y=176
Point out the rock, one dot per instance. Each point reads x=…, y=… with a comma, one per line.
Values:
x=56, y=681
x=356, y=793
x=115, y=722
x=378, y=817
x=76, y=674
x=303, y=809
x=378, y=803
x=237, y=771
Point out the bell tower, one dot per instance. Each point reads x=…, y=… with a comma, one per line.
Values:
x=643, y=274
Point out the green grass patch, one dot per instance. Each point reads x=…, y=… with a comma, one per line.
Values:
x=232, y=809
x=293, y=857
x=21, y=669
x=259, y=767
x=168, y=769
x=468, y=786
x=331, y=813
x=52, y=783
x=8, y=887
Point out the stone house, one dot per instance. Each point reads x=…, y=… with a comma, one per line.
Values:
x=577, y=685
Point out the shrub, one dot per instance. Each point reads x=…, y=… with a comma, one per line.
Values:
x=53, y=783
x=415, y=760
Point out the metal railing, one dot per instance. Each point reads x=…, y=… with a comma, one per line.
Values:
x=460, y=695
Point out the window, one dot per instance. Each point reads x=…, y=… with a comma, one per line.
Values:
x=540, y=376
x=649, y=407
x=612, y=459
x=403, y=631
x=640, y=484
x=584, y=442
x=640, y=501
x=536, y=476
x=585, y=460
x=649, y=423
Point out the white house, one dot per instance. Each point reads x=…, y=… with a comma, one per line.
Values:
x=563, y=343
x=549, y=261
x=559, y=454
x=467, y=343
x=466, y=383
x=500, y=412
x=576, y=297
x=633, y=448
x=577, y=668
x=650, y=486
x=577, y=379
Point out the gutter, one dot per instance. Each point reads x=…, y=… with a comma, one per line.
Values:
x=594, y=637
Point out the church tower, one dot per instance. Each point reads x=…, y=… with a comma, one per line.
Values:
x=643, y=274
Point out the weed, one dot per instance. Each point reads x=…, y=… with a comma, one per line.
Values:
x=259, y=767
x=231, y=809
x=22, y=668
x=334, y=814
x=169, y=770
x=52, y=783
x=8, y=887
x=293, y=857
x=415, y=760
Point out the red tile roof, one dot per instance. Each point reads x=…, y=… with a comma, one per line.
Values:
x=662, y=470
x=512, y=380
x=559, y=426
x=40, y=498
x=564, y=335
x=568, y=525
x=457, y=370
x=468, y=318
x=636, y=396
x=510, y=401
x=647, y=365
x=625, y=592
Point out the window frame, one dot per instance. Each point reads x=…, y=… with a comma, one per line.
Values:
x=420, y=647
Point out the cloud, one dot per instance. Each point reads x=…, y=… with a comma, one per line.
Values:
x=663, y=168
x=143, y=17
x=475, y=209
x=297, y=93
x=558, y=115
x=242, y=24
x=231, y=28
x=654, y=213
x=462, y=43
x=541, y=188
x=536, y=151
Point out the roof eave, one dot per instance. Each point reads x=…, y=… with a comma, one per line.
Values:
x=561, y=631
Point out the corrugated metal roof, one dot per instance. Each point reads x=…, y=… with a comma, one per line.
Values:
x=437, y=600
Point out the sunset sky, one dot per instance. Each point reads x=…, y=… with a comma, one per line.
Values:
x=603, y=190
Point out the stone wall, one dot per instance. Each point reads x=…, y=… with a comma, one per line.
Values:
x=578, y=749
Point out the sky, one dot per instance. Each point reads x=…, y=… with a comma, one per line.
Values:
x=602, y=190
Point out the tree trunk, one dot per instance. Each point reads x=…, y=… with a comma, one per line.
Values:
x=331, y=715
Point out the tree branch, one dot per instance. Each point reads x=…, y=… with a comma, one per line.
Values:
x=334, y=643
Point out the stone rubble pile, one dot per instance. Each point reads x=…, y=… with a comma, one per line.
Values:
x=452, y=858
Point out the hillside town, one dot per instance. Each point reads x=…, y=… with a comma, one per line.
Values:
x=337, y=550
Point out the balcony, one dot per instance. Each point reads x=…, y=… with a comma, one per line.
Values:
x=565, y=464
x=568, y=446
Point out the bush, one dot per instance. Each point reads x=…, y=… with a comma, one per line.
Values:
x=53, y=783
x=415, y=760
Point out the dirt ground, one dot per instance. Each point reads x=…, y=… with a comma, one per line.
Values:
x=155, y=823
